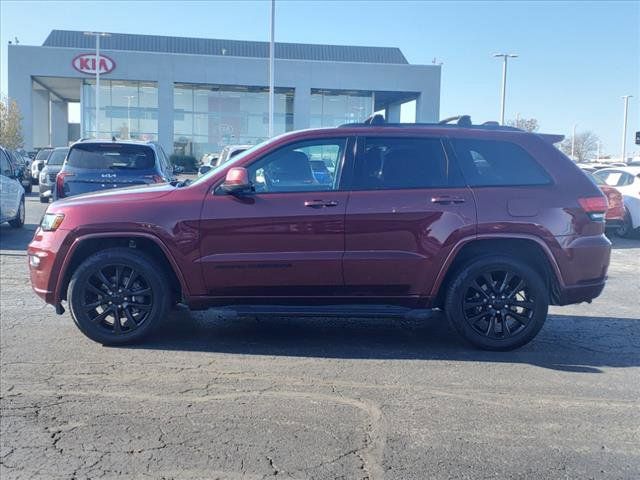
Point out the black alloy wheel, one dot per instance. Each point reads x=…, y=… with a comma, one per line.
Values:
x=497, y=302
x=118, y=296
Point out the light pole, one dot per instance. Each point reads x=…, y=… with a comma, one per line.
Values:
x=129, y=98
x=97, y=35
x=504, y=57
x=573, y=142
x=624, y=126
x=272, y=54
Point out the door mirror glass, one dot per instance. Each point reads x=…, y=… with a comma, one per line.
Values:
x=237, y=181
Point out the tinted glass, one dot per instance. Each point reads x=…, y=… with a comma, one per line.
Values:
x=111, y=156
x=57, y=157
x=5, y=166
x=401, y=163
x=492, y=163
x=43, y=154
x=290, y=169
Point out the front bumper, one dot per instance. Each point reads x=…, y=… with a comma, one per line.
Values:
x=49, y=248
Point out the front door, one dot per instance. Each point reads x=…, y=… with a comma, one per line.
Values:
x=407, y=209
x=287, y=238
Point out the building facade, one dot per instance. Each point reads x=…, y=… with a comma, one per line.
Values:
x=195, y=96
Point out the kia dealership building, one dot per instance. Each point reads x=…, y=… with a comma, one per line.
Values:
x=197, y=95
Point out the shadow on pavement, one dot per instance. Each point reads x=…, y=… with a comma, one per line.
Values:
x=567, y=343
x=16, y=239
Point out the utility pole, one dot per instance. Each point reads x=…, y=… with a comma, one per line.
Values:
x=573, y=142
x=97, y=35
x=271, y=68
x=504, y=57
x=624, y=127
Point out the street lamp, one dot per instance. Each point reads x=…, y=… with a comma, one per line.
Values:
x=504, y=57
x=624, y=126
x=97, y=35
x=272, y=54
x=573, y=142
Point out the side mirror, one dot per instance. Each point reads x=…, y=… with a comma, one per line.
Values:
x=40, y=166
x=237, y=181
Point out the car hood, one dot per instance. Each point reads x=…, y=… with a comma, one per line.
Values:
x=119, y=195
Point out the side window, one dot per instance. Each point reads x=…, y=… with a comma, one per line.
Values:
x=5, y=165
x=613, y=178
x=493, y=163
x=312, y=166
x=401, y=163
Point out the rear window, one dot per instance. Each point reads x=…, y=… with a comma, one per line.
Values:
x=57, y=157
x=111, y=156
x=487, y=163
x=43, y=154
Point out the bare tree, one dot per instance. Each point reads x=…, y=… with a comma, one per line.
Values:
x=10, y=124
x=585, y=147
x=526, y=124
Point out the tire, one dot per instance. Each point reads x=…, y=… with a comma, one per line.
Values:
x=478, y=311
x=28, y=188
x=626, y=229
x=18, y=222
x=44, y=199
x=89, y=299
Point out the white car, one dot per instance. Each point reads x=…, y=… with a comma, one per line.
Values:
x=38, y=163
x=627, y=181
x=11, y=192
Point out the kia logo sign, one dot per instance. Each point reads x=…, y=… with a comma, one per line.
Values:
x=86, y=63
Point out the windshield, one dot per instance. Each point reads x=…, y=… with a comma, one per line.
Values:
x=43, y=154
x=57, y=157
x=230, y=163
x=112, y=156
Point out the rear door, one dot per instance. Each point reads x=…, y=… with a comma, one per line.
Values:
x=10, y=189
x=407, y=209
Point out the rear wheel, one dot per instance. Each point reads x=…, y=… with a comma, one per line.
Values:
x=625, y=229
x=28, y=188
x=18, y=222
x=44, y=199
x=497, y=303
x=118, y=297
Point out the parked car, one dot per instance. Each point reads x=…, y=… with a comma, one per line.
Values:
x=49, y=173
x=98, y=165
x=229, y=152
x=627, y=181
x=38, y=163
x=23, y=169
x=615, y=211
x=12, y=208
x=491, y=224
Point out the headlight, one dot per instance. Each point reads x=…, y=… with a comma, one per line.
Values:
x=43, y=176
x=51, y=221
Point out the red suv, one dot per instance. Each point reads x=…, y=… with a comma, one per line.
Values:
x=490, y=224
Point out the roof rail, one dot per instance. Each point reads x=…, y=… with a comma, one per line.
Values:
x=461, y=121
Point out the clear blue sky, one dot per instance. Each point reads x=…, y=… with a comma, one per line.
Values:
x=576, y=58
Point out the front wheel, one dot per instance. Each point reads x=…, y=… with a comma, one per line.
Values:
x=497, y=303
x=118, y=296
x=18, y=222
x=626, y=228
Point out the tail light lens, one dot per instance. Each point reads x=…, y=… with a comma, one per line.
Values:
x=60, y=183
x=594, y=207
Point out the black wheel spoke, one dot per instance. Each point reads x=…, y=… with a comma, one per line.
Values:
x=130, y=279
x=474, y=303
x=474, y=319
x=142, y=292
x=131, y=322
x=100, y=317
x=505, y=281
x=490, y=282
x=528, y=304
x=476, y=287
x=140, y=306
x=95, y=290
x=117, y=327
x=91, y=306
x=523, y=320
x=517, y=289
x=104, y=280
x=117, y=277
x=492, y=326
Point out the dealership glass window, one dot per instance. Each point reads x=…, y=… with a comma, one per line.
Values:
x=206, y=118
x=128, y=110
x=330, y=108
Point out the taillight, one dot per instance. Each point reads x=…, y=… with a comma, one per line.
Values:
x=60, y=183
x=594, y=207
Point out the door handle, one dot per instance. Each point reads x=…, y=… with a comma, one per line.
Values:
x=445, y=200
x=320, y=203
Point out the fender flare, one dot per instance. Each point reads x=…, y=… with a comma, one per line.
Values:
x=89, y=236
x=493, y=236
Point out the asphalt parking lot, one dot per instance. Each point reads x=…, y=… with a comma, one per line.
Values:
x=258, y=398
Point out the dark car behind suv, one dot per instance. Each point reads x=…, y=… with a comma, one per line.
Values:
x=489, y=223
x=97, y=165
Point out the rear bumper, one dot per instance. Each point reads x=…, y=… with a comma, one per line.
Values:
x=579, y=293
